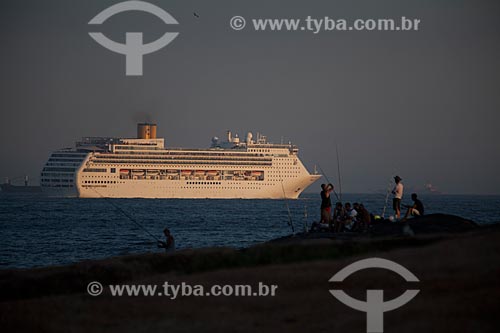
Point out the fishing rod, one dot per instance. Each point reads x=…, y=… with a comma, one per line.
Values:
x=126, y=215
x=306, y=227
x=338, y=171
x=290, y=222
x=328, y=180
x=386, y=198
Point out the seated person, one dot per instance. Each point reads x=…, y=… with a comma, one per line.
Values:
x=417, y=209
x=338, y=217
x=351, y=216
x=363, y=217
x=169, y=244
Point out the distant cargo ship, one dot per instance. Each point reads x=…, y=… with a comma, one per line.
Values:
x=143, y=168
x=7, y=187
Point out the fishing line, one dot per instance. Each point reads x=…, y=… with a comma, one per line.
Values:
x=126, y=214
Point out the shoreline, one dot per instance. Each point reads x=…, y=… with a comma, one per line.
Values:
x=434, y=224
x=449, y=265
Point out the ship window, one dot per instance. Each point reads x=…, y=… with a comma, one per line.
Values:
x=94, y=170
x=113, y=170
x=59, y=169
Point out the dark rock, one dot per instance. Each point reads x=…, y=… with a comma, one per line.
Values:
x=428, y=224
x=441, y=223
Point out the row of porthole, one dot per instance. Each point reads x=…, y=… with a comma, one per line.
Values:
x=57, y=180
x=189, y=183
x=100, y=182
x=221, y=188
x=99, y=176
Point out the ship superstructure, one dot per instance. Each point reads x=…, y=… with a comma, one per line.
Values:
x=143, y=168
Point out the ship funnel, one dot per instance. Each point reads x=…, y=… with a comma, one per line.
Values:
x=146, y=131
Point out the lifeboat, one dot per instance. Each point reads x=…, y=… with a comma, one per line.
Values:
x=256, y=173
x=172, y=172
x=138, y=172
x=125, y=171
x=199, y=172
x=186, y=172
x=153, y=172
x=212, y=173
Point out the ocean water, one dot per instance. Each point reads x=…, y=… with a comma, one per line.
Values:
x=38, y=231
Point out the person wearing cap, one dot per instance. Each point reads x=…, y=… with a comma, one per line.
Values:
x=398, y=195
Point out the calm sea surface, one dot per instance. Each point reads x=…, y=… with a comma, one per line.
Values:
x=37, y=231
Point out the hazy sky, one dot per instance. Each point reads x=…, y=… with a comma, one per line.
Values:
x=422, y=104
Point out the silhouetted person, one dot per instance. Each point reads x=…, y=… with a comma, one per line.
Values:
x=417, y=209
x=351, y=217
x=339, y=216
x=169, y=244
x=326, y=203
x=398, y=195
x=364, y=217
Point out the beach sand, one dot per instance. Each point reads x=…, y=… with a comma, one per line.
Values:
x=459, y=288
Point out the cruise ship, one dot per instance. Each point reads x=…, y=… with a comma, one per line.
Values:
x=103, y=167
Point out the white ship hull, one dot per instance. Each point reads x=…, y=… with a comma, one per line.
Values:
x=143, y=168
x=286, y=177
x=180, y=190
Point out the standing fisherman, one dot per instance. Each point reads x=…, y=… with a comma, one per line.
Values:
x=398, y=195
x=326, y=203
